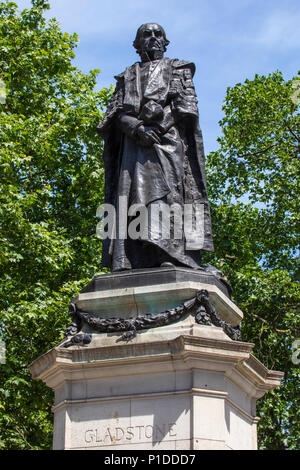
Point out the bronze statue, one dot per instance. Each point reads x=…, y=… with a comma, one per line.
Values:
x=154, y=158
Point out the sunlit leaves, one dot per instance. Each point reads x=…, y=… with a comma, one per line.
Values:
x=253, y=179
x=51, y=180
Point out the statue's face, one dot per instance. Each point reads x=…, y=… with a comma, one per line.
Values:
x=151, y=38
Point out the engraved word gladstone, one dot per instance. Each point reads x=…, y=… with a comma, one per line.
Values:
x=105, y=435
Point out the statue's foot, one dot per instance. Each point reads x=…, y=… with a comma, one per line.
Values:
x=216, y=272
x=212, y=270
x=167, y=264
x=119, y=270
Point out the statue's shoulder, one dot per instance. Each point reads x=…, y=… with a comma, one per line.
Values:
x=119, y=77
x=128, y=71
x=184, y=64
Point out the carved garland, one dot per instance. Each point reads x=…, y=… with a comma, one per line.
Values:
x=200, y=307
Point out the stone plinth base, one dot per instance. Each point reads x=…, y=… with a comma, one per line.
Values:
x=151, y=291
x=190, y=392
x=181, y=386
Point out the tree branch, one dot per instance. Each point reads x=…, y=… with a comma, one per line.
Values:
x=293, y=133
x=23, y=437
x=271, y=326
x=257, y=153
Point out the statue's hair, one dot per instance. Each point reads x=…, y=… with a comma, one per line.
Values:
x=136, y=42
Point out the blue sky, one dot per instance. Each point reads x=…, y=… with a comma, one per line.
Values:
x=228, y=40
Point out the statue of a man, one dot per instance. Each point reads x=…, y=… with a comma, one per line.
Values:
x=154, y=159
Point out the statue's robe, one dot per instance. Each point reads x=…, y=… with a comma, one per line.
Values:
x=166, y=173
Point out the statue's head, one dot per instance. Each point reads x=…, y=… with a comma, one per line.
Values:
x=150, y=41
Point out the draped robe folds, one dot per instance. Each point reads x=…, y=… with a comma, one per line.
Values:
x=171, y=172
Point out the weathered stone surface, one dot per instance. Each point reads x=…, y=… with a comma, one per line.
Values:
x=140, y=292
x=190, y=392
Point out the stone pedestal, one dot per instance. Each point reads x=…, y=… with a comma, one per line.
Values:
x=177, y=387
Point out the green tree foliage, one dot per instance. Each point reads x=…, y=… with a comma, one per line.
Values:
x=51, y=179
x=253, y=180
x=52, y=182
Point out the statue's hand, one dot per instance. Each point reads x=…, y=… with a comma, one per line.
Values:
x=147, y=136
